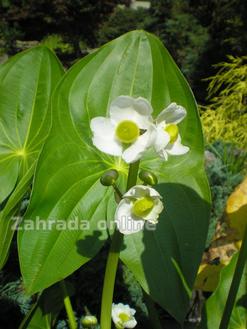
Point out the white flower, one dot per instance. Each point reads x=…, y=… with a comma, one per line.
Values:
x=139, y=204
x=168, y=139
x=123, y=316
x=128, y=132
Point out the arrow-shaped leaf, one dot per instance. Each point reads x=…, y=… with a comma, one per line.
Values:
x=67, y=182
x=26, y=83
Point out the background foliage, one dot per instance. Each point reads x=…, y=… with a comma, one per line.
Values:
x=197, y=33
x=225, y=117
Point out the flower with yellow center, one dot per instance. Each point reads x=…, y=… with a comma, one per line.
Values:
x=128, y=132
x=139, y=204
x=123, y=316
x=168, y=139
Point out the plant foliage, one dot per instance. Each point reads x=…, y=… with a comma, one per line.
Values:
x=226, y=116
x=67, y=182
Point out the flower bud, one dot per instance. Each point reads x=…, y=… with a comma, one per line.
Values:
x=109, y=177
x=148, y=178
x=89, y=321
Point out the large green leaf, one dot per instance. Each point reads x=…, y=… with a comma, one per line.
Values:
x=67, y=182
x=165, y=261
x=26, y=83
x=215, y=304
x=8, y=222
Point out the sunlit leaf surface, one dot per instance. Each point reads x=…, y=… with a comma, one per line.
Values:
x=67, y=185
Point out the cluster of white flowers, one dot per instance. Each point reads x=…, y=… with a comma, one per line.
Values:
x=130, y=129
x=128, y=132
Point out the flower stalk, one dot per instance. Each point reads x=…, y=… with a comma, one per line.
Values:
x=133, y=173
x=109, y=280
x=112, y=261
x=68, y=307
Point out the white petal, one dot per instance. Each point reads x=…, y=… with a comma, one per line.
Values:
x=177, y=148
x=132, y=311
x=172, y=114
x=123, y=102
x=116, y=309
x=152, y=217
x=137, y=149
x=162, y=139
x=163, y=154
x=124, y=108
x=115, y=317
x=121, y=114
x=139, y=191
x=103, y=127
x=130, y=324
x=142, y=106
x=124, y=220
x=109, y=146
x=153, y=193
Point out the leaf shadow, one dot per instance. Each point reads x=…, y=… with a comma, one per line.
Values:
x=173, y=250
x=89, y=246
x=242, y=301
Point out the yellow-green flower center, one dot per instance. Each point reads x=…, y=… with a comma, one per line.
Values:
x=124, y=317
x=142, y=206
x=127, y=131
x=172, y=130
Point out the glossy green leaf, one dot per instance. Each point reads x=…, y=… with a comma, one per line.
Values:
x=165, y=261
x=8, y=221
x=67, y=181
x=26, y=83
x=215, y=304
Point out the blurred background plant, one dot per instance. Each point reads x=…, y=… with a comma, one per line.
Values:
x=55, y=42
x=225, y=167
x=225, y=118
x=197, y=33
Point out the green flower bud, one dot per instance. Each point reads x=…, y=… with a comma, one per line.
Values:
x=89, y=321
x=148, y=178
x=109, y=177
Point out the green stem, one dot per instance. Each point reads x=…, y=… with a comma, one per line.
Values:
x=68, y=307
x=112, y=262
x=117, y=193
x=133, y=173
x=109, y=280
x=235, y=284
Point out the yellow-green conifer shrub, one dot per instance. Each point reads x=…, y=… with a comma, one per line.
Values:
x=226, y=116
